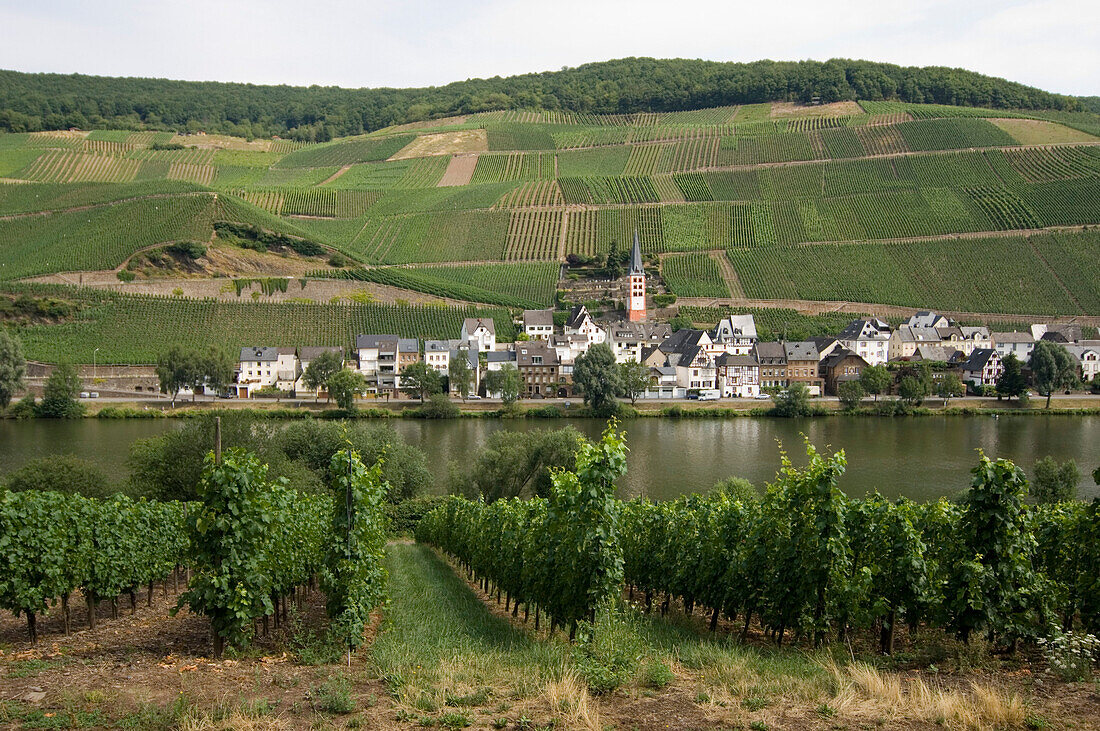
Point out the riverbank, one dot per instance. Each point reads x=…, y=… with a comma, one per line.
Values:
x=1071, y=405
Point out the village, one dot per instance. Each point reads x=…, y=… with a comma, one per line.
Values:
x=727, y=361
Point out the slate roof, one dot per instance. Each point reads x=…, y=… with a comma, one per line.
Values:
x=636, y=257
x=771, y=353
x=855, y=328
x=526, y=352
x=471, y=324
x=1013, y=337
x=801, y=350
x=307, y=353
x=538, y=318
x=837, y=356
x=500, y=356
x=728, y=360
x=263, y=354
x=978, y=359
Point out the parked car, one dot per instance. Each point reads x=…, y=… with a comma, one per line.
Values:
x=93, y=394
x=473, y=397
x=762, y=396
x=83, y=394
x=693, y=395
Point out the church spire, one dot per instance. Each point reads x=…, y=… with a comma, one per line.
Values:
x=636, y=257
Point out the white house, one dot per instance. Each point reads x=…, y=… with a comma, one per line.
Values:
x=738, y=375
x=306, y=354
x=1087, y=353
x=736, y=334
x=628, y=339
x=538, y=324
x=580, y=322
x=982, y=368
x=482, y=330
x=263, y=367
x=494, y=361
x=1017, y=343
x=869, y=339
x=568, y=347
x=437, y=355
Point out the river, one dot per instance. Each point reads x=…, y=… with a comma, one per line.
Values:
x=922, y=458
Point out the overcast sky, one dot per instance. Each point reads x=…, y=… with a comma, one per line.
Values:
x=1052, y=44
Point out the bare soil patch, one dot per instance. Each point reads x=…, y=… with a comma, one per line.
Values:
x=835, y=109
x=425, y=124
x=445, y=143
x=459, y=170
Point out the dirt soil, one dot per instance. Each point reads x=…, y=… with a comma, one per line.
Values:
x=131, y=671
x=445, y=143
x=1040, y=132
x=459, y=170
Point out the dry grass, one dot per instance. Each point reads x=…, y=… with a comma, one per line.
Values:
x=569, y=696
x=198, y=720
x=863, y=690
x=835, y=109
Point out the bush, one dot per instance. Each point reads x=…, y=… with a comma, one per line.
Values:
x=1054, y=483
x=607, y=652
x=657, y=674
x=545, y=412
x=439, y=406
x=404, y=516
x=187, y=249
x=793, y=401
x=737, y=488
x=60, y=473
x=663, y=300
x=126, y=275
x=24, y=408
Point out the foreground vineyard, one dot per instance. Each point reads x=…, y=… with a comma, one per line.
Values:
x=251, y=542
x=805, y=559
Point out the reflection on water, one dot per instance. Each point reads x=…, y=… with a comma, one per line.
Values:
x=919, y=457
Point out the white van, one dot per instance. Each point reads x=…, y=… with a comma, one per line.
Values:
x=710, y=394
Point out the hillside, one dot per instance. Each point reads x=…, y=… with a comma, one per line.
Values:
x=33, y=102
x=987, y=214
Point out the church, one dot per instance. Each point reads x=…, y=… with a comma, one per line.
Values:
x=635, y=285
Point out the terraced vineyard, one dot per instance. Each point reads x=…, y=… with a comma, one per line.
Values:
x=133, y=328
x=808, y=202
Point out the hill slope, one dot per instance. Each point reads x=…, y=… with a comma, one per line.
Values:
x=886, y=204
x=30, y=102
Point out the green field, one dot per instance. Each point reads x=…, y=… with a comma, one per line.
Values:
x=755, y=181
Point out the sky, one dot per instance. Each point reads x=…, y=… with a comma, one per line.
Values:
x=1051, y=44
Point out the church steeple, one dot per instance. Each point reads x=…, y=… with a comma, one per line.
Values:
x=635, y=284
x=636, y=257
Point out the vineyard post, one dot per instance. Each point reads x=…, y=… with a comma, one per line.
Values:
x=351, y=526
x=217, y=440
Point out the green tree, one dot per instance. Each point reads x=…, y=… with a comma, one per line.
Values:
x=950, y=386
x=1054, y=483
x=13, y=366
x=1052, y=368
x=344, y=386
x=1011, y=383
x=635, y=379
x=912, y=390
x=875, y=379
x=177, y=368
x=460, y=375
x=323, y=367
x=505, y=381
x=59, y=398
x=597, y=376
x=419, y=380
x=850, y=393
x=793, y=401
x=214, y=370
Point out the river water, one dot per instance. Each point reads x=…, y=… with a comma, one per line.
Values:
x=920, y=457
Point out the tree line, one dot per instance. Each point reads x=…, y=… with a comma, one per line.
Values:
x=32, y=102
